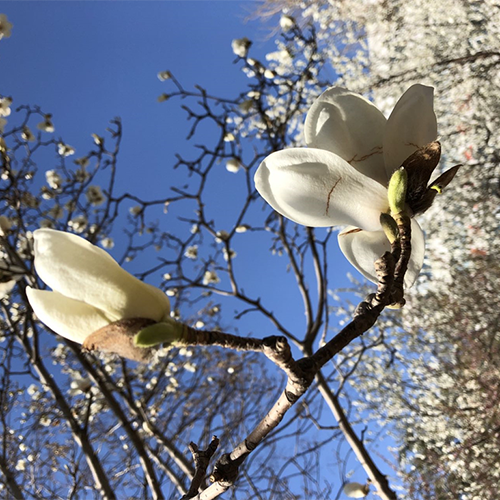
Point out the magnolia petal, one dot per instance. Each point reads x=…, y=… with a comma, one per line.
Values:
x=363, y=248
x=351, y=127
x=69, y=318
x=79, y=270
x=417, y=254
x=6, y=287
x=316, y=188
x=412, y=124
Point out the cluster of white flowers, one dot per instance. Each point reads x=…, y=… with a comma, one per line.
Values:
x=191, y=252
x=54, y=180
x=78, y=224
x=210, y=278
x=65, y=149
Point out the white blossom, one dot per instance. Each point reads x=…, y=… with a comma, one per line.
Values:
x=135, y=210
x=164, y=75
x=78, y=223
x=90, y=289
x=98, y=140
x=240, y=46
x=191, y=252
x=231, y=254
x=54, y=180
x=356, y=490
x=46, y=125
x=242, y=228
x=107, y=243
x=21, y=465
x=233, y=165
x=3, y=122
x=210, y=278
x=65, y=149
x=287, y=22
x=27, y=134
x=5, y=27
x=341, y=178
x=5, y=102
x=45, y=421
x=221, y=236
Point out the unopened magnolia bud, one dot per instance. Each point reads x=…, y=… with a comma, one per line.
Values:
x=118, y=338
x=396, y=191
x=390, y=227
x=165, y=332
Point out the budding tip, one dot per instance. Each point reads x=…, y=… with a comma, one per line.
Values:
x=396, y=191
x=390, y=227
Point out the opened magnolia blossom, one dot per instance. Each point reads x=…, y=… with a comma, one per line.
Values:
x=342, y=177
x=90, y=289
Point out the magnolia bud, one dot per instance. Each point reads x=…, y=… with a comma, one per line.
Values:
x=397, y=191
x=390, y=227
x=165, y=332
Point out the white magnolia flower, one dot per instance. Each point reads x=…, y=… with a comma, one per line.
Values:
x=164, y=75
x=5, y=27
x=342, y=177
x=78, y=223
x=46, y=125
x=233, y=165
x=54, y=180
x=27, y=134
x=163, y=97
x=243, y=228
x=287, y=22
x=3, y=122
x=240, y=46
x=98, y=140
x=221, y=236
x=107, y=243
x=5, y=103
x=21, y=465
x=228, y=255
x=90, y=289
x=356, y=490
x=65, y=149
x=210, y=278
x=191, y=252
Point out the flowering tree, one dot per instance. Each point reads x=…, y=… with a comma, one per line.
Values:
x=132, y=422
x=433, y=390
